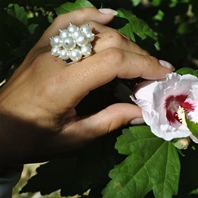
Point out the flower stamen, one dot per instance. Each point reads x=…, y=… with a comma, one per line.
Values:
x=172, y=105
x=181, y=115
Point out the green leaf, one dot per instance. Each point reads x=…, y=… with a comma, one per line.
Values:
x=187, y=70
x=194, y=192
x=32, y=28
x=19, y=13
x=151, y=164
x=87, y=170
x=54, y=175
x=156, y=2
x=135, y=26
x=68, y=7
x=136, y=2
x=193, y=127
x=20, y=51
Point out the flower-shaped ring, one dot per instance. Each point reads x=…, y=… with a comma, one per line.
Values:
x=73, y=43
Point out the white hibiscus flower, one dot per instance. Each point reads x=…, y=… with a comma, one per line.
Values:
x=161, y=100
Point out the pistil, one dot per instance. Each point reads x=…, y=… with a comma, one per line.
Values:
x=173, y=104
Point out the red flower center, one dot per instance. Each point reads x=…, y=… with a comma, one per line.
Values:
x=172, y=104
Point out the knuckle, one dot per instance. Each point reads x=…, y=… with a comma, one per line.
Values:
x=115, y=56
x=149, y=60
x=113, y=37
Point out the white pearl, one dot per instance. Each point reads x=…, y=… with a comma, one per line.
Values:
x=64, y=33
x=82, y=40
x=55, y=51
x=68, y=43
x=75, y=55
x=90, y=36
x=64, y=54
x=86, y=50
x=85, y=28
x=77, y=33
x=56, y=40
x=72, y=28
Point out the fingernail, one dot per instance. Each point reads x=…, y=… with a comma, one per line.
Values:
x=108, y=11
x=137, y=121
x=166, y=64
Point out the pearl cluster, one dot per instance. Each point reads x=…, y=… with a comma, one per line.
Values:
x=73, y=43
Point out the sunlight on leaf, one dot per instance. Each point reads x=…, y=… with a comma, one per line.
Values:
x=135, y=26
x=49, y=178
x=68, y=7
x=19, y=13
x=151, y=164
x=193, y=127
x=194, y=192
x=187, y=70
x=136, y=2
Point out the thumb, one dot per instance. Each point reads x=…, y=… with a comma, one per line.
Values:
x=107, y=120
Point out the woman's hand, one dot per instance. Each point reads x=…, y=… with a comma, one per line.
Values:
x=38, y=119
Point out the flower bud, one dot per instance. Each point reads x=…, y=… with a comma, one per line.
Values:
x=181, y=143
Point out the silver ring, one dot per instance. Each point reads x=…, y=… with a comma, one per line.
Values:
x=73, y=43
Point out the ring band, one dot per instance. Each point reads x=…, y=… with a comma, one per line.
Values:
x=73, y=43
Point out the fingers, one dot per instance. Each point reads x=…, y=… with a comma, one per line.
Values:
x=114, y=56
x=107, y=37
x=104, y=66
x=104, y=121
x=62, y=21
x=112, y=39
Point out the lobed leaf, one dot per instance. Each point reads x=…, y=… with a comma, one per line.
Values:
x=19, y=13
x=135, y=26
x=54, y=175
x=151, y=164
x=187, y=70
x=68, y=7
x=75, y=175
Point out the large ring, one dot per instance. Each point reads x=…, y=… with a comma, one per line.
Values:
x=73, y=43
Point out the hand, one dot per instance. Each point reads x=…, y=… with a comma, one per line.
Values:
x=38, y=119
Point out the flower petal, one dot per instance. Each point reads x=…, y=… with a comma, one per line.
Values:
x=145, y=90
x=151, y=97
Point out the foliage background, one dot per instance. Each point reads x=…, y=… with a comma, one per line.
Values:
x=175, y=27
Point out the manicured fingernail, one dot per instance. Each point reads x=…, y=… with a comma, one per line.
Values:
x=137, y=121
x=108, y=11
x=166, y=64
